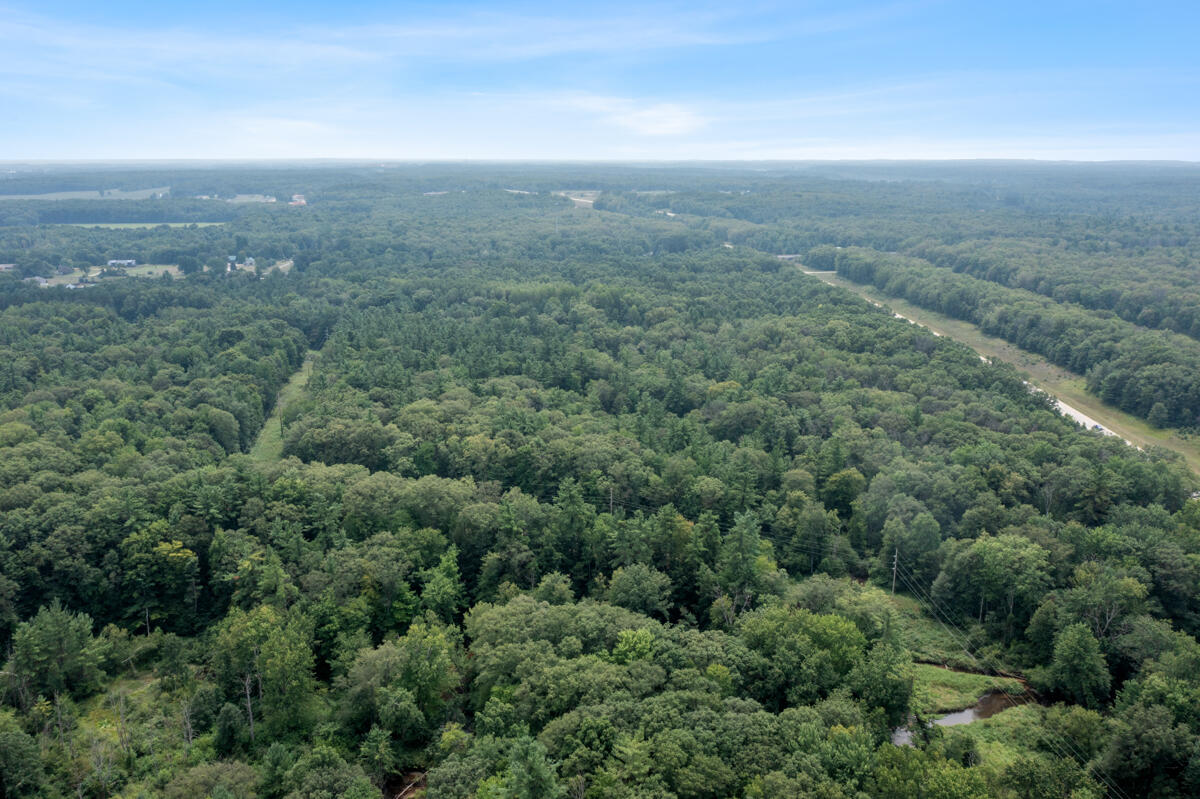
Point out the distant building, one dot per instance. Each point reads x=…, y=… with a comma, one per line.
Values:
x=7, y=267
x=41, y=281
x=249, y=261
x=123, y=262
x=298, y=199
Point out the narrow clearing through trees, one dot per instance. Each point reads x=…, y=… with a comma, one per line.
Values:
x=269, y=445
x=1067, y=388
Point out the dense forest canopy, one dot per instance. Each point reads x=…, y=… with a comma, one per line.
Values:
x=448, y=482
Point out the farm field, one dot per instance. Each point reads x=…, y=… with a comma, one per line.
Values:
x=105, y=194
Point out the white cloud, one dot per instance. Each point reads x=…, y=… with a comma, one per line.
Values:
x=641, y=117
x=111, y=52
x=607, y=84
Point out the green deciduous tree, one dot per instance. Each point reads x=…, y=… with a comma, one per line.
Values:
x=441, y=587
x=640, y=588
x=265, y=656
x=1079, y=669
x=159, y=576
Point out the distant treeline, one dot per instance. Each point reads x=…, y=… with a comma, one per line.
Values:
x=21, y=213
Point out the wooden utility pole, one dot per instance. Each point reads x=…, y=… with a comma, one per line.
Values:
x=895, y=563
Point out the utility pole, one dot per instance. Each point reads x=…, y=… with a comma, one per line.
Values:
x=895, y=563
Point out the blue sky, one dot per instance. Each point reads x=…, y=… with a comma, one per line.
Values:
x=617, y=81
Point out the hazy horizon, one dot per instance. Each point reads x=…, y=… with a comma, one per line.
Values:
x=654, y=82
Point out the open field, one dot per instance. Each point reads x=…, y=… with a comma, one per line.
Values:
x=1005, y=737
x=142, y=270
x=269, y=446
x=153, y=270
x=137, y=225
x=939, y=690
x=107, y=194
x=583, y=198
x=927, y=639
x=1055, y=380
x=62, y=280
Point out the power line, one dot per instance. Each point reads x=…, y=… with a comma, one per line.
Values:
x=1063, y=745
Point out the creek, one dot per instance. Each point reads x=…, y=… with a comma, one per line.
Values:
x=988, y=705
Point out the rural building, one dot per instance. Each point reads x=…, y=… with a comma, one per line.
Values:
x=7, y=267
x=123, y=262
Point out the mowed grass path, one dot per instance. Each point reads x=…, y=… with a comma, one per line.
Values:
x=269, y=446
x=1067, y=386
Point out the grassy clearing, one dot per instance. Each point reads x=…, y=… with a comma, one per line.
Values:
x=929, y=641
x=153, y=270
x=62, y=280
x=1004, y=737
x=1067, y=386
x=583, y=198
x=269, y=446
x=141, y=270
x=939, y=690
x=107, y=194
x=945, y=677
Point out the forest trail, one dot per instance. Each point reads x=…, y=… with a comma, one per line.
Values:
x=1068, y=388
x=269, y=446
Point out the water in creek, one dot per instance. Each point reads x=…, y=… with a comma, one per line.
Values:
x=989, y=705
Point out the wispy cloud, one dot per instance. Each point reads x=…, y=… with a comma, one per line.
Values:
x=645, y=118
x=476, y=37
x=647, y=79
x=60, y=50
x=495, y=37
x=117, y=51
